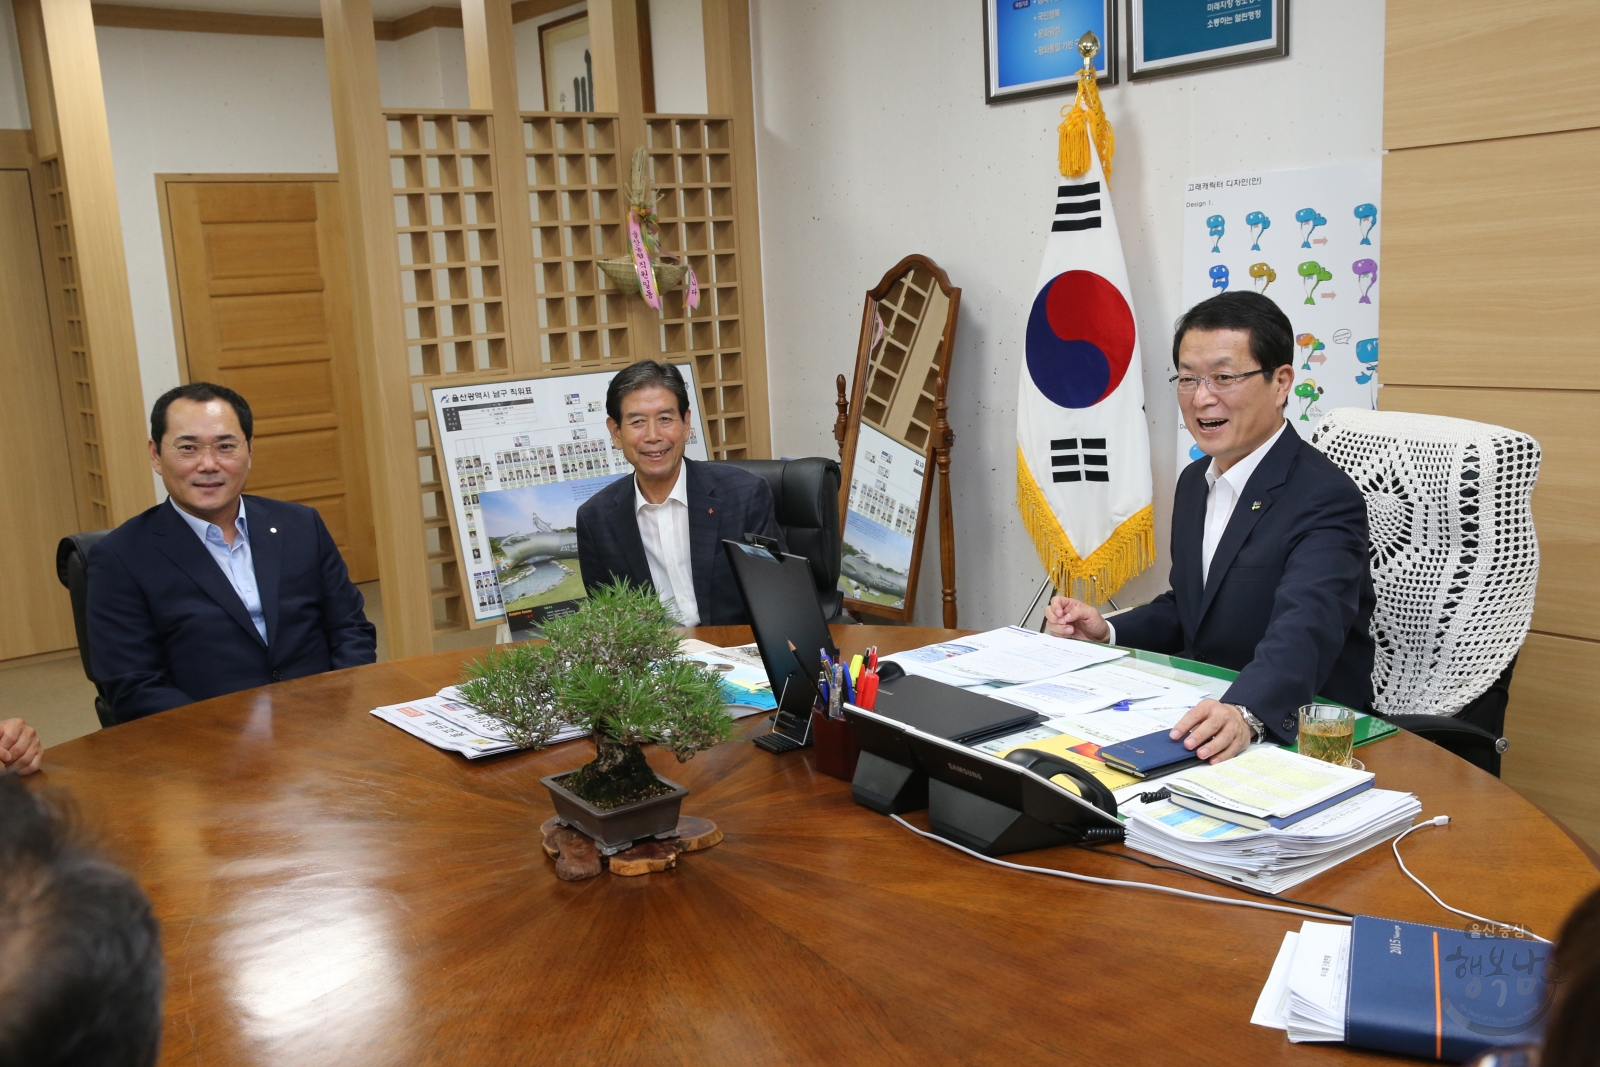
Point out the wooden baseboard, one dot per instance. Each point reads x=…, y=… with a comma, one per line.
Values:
x=42, y=657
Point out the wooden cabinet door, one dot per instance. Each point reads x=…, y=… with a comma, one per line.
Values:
x=264, y=301
x=36, y=494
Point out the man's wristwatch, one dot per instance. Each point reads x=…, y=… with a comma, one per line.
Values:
x=1258, y=729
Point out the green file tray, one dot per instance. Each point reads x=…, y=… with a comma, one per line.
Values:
x=1369, y=728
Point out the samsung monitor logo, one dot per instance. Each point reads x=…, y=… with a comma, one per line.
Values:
x=966, y=771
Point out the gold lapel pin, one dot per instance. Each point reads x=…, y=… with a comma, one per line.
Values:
x=1256, y=506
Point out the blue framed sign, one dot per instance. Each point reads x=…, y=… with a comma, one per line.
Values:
x=1178, y=36
x=1030, y=47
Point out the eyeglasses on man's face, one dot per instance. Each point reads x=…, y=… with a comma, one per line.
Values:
x=1217, y=383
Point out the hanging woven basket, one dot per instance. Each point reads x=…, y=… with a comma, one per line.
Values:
x=624, y=276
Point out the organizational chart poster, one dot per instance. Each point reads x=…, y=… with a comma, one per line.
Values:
x=1309, y=239
x=518, y=458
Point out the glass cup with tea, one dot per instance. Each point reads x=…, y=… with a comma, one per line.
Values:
x=1327, y=733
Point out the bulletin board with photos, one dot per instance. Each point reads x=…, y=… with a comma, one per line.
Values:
x=521, y=457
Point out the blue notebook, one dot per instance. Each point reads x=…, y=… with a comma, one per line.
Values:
x=1443, y=994
x=1269, y=822
x=1143, y=756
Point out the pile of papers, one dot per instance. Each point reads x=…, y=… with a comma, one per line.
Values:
x=1273, y=860
x=1305, y=994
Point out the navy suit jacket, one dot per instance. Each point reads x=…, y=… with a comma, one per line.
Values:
x=166, y=627
x=725, y=503
x=1289, y=596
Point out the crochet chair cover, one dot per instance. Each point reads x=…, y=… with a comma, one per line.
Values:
x=1454, y=556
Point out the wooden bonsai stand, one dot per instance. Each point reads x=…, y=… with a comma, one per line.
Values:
x=577, y=857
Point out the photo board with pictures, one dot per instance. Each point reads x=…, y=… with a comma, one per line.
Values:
x=1308, y=238
x=522, y=456
x=892, y=433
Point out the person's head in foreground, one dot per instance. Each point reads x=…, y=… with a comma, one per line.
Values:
x=1234, y=357
x=80, y=950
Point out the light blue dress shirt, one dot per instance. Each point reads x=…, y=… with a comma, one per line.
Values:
x=235, y=561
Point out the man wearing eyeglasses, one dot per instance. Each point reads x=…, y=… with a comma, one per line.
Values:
x=1269, y=543
x=212, y=591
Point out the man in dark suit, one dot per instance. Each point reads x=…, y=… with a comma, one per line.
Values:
x=664, y=527
x=212, y=592
x=1269, y=543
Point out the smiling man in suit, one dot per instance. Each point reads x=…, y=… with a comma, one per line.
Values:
x=1269, y=543
x=211, y=591
x=664, y=527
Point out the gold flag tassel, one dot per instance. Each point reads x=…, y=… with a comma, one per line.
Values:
x=1084, y=117
x=1126, y=553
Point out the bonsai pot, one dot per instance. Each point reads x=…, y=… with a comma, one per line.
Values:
x=615, y=829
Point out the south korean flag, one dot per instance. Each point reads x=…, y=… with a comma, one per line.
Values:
x=1083, y=446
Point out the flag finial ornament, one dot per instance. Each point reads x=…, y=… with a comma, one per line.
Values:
x=1085, y=117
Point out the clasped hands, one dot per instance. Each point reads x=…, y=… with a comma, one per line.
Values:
x=20, y=750
x=1216, y=731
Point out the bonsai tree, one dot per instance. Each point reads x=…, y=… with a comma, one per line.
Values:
x=612, y=668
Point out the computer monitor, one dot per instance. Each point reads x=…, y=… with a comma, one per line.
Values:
x=780, y=596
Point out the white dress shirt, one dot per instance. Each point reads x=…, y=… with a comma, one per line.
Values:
x=235, y=560
x=1222, y=496
x=664, y=529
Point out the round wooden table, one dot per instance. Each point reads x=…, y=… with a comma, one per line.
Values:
x=334, y=891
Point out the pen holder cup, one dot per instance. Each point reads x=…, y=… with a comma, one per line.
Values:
x=835, y=745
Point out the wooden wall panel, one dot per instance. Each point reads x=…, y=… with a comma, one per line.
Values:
x=1467, y=70
x=1566, y=502
x=1491, y=269
x=38, y=512
x=1553, y=725
x=1490, y=306
x=387, y=399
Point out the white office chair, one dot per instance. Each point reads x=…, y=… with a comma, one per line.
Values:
x=1454, y=559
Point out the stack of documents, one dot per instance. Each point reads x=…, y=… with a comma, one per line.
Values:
x=1273, y=860
x=1266, y=787
x=1007, y=656
x=1305, y=994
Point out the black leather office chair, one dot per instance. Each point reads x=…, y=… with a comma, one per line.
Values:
x=805, y=493
x=1476, y=733
x=72, y=567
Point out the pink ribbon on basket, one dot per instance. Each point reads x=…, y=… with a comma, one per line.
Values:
x=641, y=262
x=693, y=297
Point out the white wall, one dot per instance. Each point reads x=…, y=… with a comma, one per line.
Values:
x=201, y=103
x=874, y=141
x=678, y=56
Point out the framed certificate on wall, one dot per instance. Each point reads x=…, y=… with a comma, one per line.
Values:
x=1030, y=47
x=1178, y=36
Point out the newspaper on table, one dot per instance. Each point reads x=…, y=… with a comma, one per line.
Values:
x=445, y=720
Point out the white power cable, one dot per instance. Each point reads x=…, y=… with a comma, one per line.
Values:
x=1117, y=881
x=1444, y=820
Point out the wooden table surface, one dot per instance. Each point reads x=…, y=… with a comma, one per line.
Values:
x=334, y=891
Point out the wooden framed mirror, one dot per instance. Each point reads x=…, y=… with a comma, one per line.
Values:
x=893, y=436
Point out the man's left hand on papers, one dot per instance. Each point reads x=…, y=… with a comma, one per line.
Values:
x=1217, y=731
x=20, y=750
